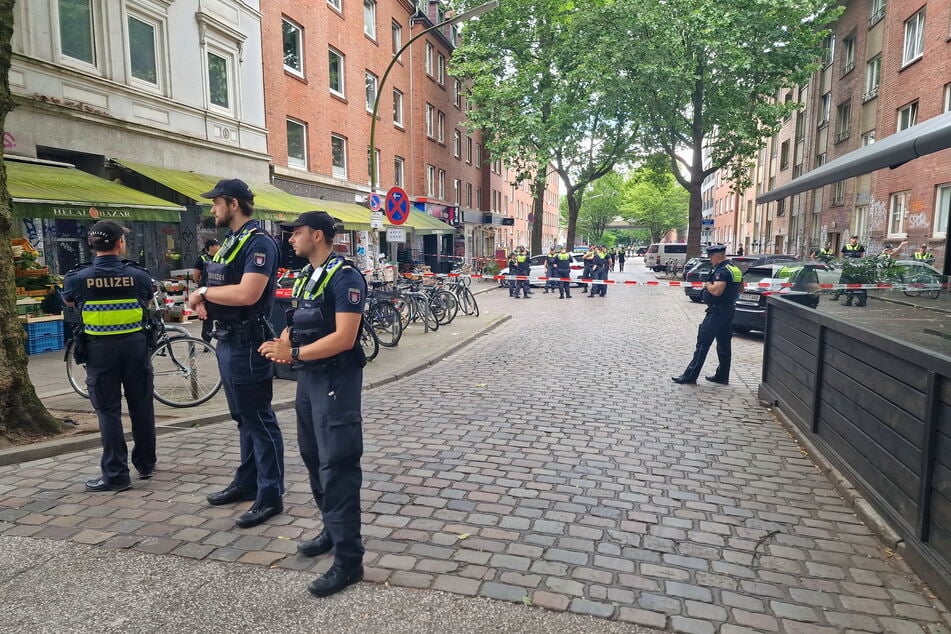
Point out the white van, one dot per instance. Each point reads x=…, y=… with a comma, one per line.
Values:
x=660, y=253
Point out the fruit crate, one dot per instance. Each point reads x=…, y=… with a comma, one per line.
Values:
x=44, y=334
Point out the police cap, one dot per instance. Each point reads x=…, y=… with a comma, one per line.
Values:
x=104, y=235
x=319, y=220
x=716, y=248
x=210, y=243
x=232, y=188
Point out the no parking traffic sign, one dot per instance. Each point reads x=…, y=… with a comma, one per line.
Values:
x=375, y=201
x=397, y=206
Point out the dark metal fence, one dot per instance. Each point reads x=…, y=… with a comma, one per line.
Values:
x=880, y=411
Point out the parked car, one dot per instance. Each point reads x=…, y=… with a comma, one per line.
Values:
x=660, y=253
x=641, y=251
x=537, y=269
x=689, y=264
x=743, y=262
x=803, y=281
x=698, y=273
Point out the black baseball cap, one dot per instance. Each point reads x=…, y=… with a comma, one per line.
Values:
x=105, y=234
x=716, y=248
x=211, y=242
x=231, y=187
x=319, y=220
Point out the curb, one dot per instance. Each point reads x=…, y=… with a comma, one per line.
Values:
x=911, y=305
x=59, y=446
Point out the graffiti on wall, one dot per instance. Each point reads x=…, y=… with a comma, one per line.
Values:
x=917, y=221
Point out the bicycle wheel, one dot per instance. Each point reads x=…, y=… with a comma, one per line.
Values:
x=444, y=306
x=76, y=372
x=386, y=324
x=404, y=309
x=426, y=312
x=186, y=372
x=469, y=304
x=176, y=331
x=369, y=342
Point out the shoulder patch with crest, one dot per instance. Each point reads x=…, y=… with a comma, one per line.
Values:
x=354, y=295
x=260, y=258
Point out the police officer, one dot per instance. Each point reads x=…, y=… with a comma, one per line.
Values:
x=523, y=269
x=588, y=273
x=322, y=341
x=853, y=250
x=513, y=270
x=720, y=291
x=924, y=255
x=238, y=297
x=112, y=296
x=199, y=277
x=824, y=254
x=563, y=272
x=599, y=271
x=550, y=283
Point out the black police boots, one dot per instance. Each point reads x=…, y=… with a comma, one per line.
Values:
x=229, y=495
x=259, y=514
x=683, y=380
x=316, y=546
x=335, y=579
x=717, y=379
x=100, y=484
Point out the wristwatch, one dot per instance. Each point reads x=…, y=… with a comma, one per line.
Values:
x=202, y=291
x=295, y=353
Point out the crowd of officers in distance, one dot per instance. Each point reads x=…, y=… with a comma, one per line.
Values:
x=598, y=261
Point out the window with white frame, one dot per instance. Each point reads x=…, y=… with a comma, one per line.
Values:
x=371, y=83
x=942, y=210
x=478, y=197
x=859, y=225
x=478, y=155
x=868, y=138
x=457, y=191
x=441, y=126
x=337, y=85
x=825, y=109
x=296, y=144
x=457, y=93
x=457, y=143
x=428, y=59
x=896, y=215
x=398, y=171
x=430, y=121
x=146, y=50
x=293, y=47
x=441, y=183
x=219, y=80
x=907, y=116
x=828, y=49
x=338, y=156
x=469, y=150
x=838, y=193
x=77, y=30
x=843, y=121
x=369, y=18
x=441, y=69
x=848, y=54
x=396, y=31
x=397, y=108
x=468, y=194
x=430, y=180
x=336, y=4
x=947, y=98
x=914, y=38
x=873, y=76
x=876, y=12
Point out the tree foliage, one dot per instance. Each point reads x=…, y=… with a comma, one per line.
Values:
x=602, y=204
x=653, y=199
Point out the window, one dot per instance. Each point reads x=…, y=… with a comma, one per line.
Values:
x=838, y=193
x=848, y=55
x=873, y=74
x=859, y=221
x=825, y=109
x=457, y=93
x=296, y=144
x=441, y=69
x=428, y=59
x=397, y=32
x=143, y=47
x=430, y=180
x=908, y=116
x=478, y=155
x=478, y=197
x=914, y=38
x=457, y=143
x=336, y=74
x=293, y=47
x=441, y=192
x=896, y=215
x=868, y=138
x=784, y=155
x=942, y=211
x=369, y=18
x=398, y=171
x=468, y=194
x=457, y=191
x=77, y=37
x=843, y=121
x=441, y=127
x=397, y=108
x=336, y=4
x=947, y=98
x=371, y=83
x=430, y=121
x=828, y=49
x=876, y=13
x=800, y=126
x=219, y=81
x=820, y=159
x=469, y=150
x=781, y=207
x=338, y=156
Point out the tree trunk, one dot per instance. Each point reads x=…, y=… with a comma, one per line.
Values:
x=694, y=217
x=573, y=208
x=538, y=209
x=20, y=409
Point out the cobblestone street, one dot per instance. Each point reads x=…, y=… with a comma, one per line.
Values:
x=551, y=462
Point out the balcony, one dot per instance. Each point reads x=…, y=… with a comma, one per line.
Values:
x=871, y=94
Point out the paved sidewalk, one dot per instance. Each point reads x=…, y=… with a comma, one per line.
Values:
x=553, y=463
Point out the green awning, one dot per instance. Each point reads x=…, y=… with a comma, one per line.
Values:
x=424, y=224
x=353, y=216
x=270, y=203
x=49, y=191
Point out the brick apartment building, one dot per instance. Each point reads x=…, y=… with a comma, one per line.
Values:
x=324, y=62
x=886, y=68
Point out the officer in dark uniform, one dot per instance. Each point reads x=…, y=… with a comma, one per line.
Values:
x=720, y=291
x=113, y=296
x=199, y=277
x=513, y=270
x=853, y=250
x=599, y=271
x=322, y=341
x=563, y=272
x=522, y=269
x=239, y=297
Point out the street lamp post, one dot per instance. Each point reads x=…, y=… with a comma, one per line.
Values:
x=462, y=17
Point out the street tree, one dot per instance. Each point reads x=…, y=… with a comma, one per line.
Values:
x=601, y=204
x=21, y=412
x=652, y=198
x=543, y=99
x=708, y=76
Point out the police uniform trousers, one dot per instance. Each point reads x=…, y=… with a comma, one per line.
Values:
x=330, y=435
x=717, y=326
x=115, y=363
x=522, y=285
x=247, y=378
x=564, y=286
x=603, y=288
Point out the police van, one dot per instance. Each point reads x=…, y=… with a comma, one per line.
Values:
x=660, y=253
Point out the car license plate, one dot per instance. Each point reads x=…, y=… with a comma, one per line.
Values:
x=750, y=297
